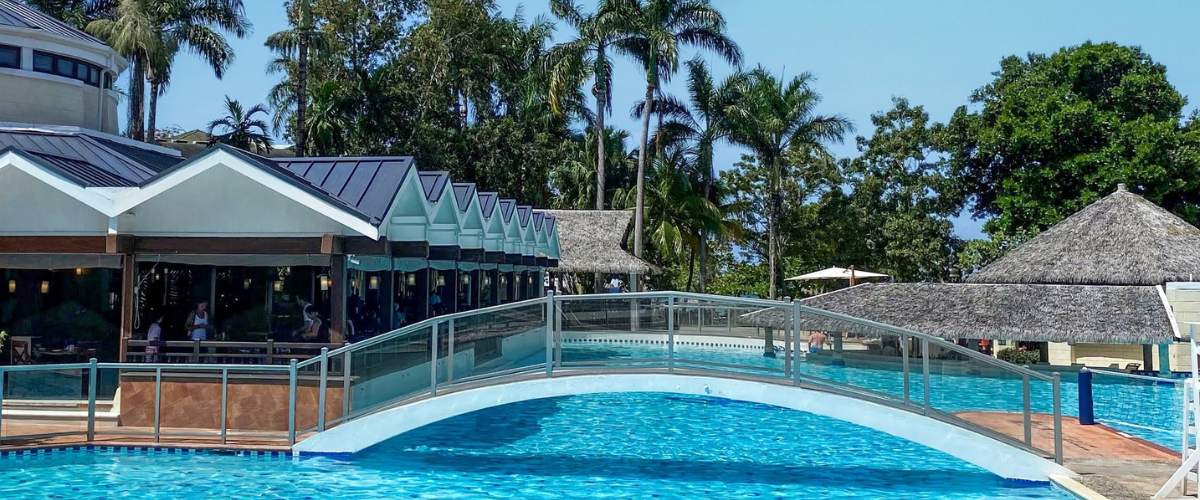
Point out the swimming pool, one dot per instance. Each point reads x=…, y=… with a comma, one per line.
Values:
x=598, y=446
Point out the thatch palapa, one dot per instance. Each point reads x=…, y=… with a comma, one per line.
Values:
x=593, y=241
x=1040, y=313
x=1122, y=239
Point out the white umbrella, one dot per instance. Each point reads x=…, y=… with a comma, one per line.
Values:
x=837, y=273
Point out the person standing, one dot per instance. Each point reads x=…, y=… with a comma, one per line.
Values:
x=198, y=322
x=154, y=341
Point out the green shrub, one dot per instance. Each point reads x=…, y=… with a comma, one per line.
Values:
x=1018, y=357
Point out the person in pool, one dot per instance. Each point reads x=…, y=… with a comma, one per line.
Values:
x=815, y=341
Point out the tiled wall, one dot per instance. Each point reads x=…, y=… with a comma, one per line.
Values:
x=253, y=405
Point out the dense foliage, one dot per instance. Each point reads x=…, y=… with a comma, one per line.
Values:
x=463, y=88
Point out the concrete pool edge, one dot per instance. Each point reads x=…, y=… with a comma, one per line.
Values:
x=1075, y=488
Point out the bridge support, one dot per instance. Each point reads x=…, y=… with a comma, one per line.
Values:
x=1000, y=458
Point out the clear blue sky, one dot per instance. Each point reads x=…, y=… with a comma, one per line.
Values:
x=933, y=52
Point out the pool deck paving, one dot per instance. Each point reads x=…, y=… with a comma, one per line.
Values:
x=1110, y=462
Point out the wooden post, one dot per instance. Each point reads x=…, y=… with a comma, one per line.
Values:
x=337, y=299
x=128, y=292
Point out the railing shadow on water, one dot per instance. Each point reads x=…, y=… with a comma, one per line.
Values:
x=654, y=332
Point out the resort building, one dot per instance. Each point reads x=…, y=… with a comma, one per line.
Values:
x=101, y=237
x=54, y=74
x=1109, y=286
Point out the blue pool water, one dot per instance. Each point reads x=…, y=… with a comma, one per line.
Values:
x=620, y=446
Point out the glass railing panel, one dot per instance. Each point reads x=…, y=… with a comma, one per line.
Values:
x=391, y=369
x=709, y=335
x=499, y=341
x=614, y=331
x=47, y=402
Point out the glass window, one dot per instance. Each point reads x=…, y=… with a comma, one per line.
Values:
x=10, y=57
x=43, y=62
x=81, y=71
x=93, y=76
x=64, y=67
x=107, y=80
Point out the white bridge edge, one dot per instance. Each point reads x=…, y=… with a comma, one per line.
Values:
x=995, y=456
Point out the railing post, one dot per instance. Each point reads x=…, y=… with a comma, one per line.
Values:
x=788, y=335
x=91, y=418
x=671, y=334
x=550, y=334
x=195, y=350
x=796, y=343
x=1027, y=414
x=346, y=389
x=1058, y=446
x=925, y=368
x=224, y=403
x=270, y=352
x=1087, y=414
x=157, y=403
x=904, y=352
x=291, y=401
x=3, y=373
x=323, y=385
x=433, y=349
x=450, y=351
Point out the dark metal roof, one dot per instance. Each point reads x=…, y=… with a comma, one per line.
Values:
x=549, y=226
x=78, y=171
x=369, y=184
x=538, y=218
x=17, y=14
x=523, y=212
x=487, y=203
x=119, y=168
x=153, y=159
x=434, y=183
x=462, y=194
x=507, y=209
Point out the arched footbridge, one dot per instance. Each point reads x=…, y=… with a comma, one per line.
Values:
x=908, y=384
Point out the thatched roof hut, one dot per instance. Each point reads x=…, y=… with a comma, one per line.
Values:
x=1040, y=313
x=1122, y=239
x=1093, y=278
x=593, y=241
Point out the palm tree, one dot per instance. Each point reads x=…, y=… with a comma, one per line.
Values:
x=194, y=26
x=587, y=56
x=775, y=119
x=149, y=33
x=133, y=34
x=241, y=128
x=571, y=181
x=702, y=123
x=656, y=30
x=330, y=118
x=298, y=39
x=77, y=13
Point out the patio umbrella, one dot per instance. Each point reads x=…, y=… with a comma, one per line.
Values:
x=837, y=273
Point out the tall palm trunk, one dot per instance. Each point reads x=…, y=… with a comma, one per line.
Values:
x=601, y=103
x=151, y=131
x=641, y=173
x=302, y=95
x=691, y=269
x=137, y=96
x=775, y=201
x=702, y=276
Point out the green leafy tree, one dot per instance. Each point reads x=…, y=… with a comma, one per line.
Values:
x=1052, y=134
x=241, y=128
x=77, y=13
x=656, y=31
x=777, y=120
x=902, y=197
